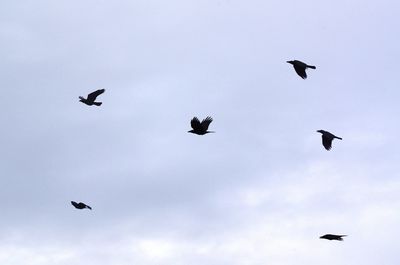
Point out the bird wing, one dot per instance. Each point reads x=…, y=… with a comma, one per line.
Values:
x=301, y=71
x=83, y=205
x=327, y=142
x=332, y=136
x=195, y=123
x=206, y=122
x=331, y=237
x=92, y=96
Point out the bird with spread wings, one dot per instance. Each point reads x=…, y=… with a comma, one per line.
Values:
x=80, y=205
x=200, y=128
x=301, y=67
x=327, y=139
x=90, y=100
x=332, y=237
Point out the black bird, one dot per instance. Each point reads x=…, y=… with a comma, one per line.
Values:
x=90, y=100
x=200, y=128
x=333, y=237
x=327, y=139
x=80, y=205
x=300, y=68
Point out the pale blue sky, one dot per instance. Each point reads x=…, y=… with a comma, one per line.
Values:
x=259, y=191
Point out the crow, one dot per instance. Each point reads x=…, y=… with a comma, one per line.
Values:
x=90, y=100
x=200, y=128
x=327, y=139
x=80, y=205
x=333, y=237
x=300, y=68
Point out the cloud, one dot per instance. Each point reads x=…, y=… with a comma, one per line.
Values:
x=261, y=190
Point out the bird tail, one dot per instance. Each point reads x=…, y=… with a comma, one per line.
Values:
x=97, y=103
x=87, y=206
x=311, y=66
x=210, y=132
x=81, y=98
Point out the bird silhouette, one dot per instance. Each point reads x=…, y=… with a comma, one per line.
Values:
x=327, y=139
x=90, y=100
x=80, y=205
x=333, y=237
x=300, y=68
x=200, y=128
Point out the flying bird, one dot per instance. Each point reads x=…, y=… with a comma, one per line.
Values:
x=90, y=100
x=80, y=205
x=200, y=128
x=333, y=237
x=327, y=139
x=300, y=68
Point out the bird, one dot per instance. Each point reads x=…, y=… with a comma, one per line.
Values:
x=80, y=205
x=327, y=139
x=333, y=237
x=200, y=128
x=300, y=68
x=90, y=100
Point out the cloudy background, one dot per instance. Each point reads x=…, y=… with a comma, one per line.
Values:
x=259, y=191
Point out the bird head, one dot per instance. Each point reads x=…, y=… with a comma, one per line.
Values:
x=191, y=131
x=321, y=131
x=291, y=62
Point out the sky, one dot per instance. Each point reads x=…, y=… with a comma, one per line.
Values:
x=261, y=190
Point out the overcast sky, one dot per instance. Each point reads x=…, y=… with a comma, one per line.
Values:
x=261, y=190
